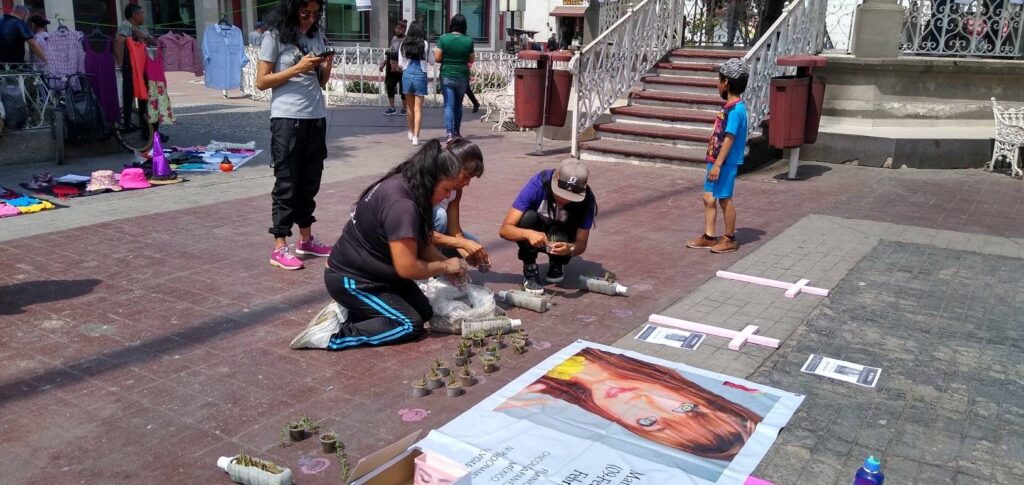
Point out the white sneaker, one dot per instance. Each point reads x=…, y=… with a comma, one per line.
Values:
x=409, y=136
x=416, y=140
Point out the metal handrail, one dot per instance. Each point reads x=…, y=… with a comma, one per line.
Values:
x=608, y=67
x=799, y=30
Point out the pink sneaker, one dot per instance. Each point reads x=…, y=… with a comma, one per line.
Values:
x=313, y=247
x=284, y=259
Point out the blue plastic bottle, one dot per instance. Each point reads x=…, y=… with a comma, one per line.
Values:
x=870, y=473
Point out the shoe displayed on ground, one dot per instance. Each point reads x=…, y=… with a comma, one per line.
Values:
x=416, y=140
x=313, y=247
x=390, y=112
x=531, y=280
x=283, y=258
x=702, y=242
x=555, y=273
x=402, y=113
x=725, y=245
x=326, y=323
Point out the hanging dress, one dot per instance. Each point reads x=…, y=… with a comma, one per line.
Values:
x=137, y=56
x=100, y=67
x=159, y=100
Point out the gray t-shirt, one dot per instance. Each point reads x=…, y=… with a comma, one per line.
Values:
x=125, y=29
x=300, y=97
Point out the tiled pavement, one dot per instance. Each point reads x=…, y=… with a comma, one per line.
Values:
x=142, y=348
x=939, y=311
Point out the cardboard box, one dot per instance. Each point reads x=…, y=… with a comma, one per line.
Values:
x=393, y=465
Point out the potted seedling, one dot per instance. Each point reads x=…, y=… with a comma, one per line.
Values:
x=454, y=386
x=467, y=376
x=524, y=336
x=419, y=387
x=491, y=350
x=479, y=339
x=329, y=442
x=434, y=379
x=499, y=339
x=442, y=367
x=518, y=346
x=466, y=342
x=490, y=363
x=461, y=356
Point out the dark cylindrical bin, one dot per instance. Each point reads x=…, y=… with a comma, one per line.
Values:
x=787, y=114
x=814, y=107
x=529, y=88
x=561, y=87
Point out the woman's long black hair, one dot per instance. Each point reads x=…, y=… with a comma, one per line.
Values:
x=413, y=47
x=458, y=24
x=422, y=172
x=285, y=20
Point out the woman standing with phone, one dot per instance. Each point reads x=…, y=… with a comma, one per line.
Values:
x=296, y=65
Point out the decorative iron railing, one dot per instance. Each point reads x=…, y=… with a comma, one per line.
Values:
x=356, y=79
x=729, y=23
x=985, y=28
x=969, y=28
x=612, y=11
x=799, y=30
x=606, y=68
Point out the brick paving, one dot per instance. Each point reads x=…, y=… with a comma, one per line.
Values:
x=139, y=349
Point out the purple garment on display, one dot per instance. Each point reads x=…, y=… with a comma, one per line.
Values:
x=64, y=53
x=100, y=68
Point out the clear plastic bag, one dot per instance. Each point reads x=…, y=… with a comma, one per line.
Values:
x=454, y=303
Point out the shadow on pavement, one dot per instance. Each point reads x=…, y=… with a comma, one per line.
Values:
x=747, y=235
x=805, y=172
x=14, y=298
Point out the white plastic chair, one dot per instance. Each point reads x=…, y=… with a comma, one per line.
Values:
x=1009, y=137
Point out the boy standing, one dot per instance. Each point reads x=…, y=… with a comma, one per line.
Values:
x=725, y=155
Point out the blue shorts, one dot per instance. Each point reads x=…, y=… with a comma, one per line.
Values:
x=414, y=81
x=721, y=188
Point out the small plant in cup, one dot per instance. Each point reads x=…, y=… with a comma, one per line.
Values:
x=491, y=350
x=434, y=379
x=329, y=442
x=518, y=346
x=523, y=335
x=419, y=387
x=499, y=339
x=461, y=356
x=490, y=363
x=295, y=431
x=479, y=339
x=454, y=386
x=466, y=374
x=443, y=368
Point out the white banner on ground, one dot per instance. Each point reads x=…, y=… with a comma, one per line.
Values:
x=598, y=414
x=842, y=370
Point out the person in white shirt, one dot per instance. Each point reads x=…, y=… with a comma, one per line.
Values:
x=38, y=25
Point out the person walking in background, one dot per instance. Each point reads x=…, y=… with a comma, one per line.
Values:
x=39, y=34
x=256, y=36
x=293, y=65
x=413, y=58
x=455, y=53
x=724, y=157
x=14, y=34
x=392, y=70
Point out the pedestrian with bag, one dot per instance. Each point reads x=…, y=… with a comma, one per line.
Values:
x=413, y=60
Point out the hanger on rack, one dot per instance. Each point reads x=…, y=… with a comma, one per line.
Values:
x=98, y=34
x=224, y=21
x=60, y=25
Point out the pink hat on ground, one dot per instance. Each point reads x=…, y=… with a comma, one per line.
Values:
x=134, y=178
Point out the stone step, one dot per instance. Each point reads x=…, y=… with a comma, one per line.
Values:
x=669, y=99
x=682, y=84
x=695, y=69
x=658, y=135
x=714, y=56
x=667, y=117
x=642, y=153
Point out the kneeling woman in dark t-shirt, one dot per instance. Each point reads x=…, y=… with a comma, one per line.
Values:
x=386, y=245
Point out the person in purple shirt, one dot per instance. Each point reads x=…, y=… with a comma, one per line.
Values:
x=553, y=213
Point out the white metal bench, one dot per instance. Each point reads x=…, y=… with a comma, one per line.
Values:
x=1009, y=137
x=500, y=104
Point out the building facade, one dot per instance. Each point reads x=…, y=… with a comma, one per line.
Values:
x=345, y=24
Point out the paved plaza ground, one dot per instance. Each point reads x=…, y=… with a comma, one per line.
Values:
x=144, y=334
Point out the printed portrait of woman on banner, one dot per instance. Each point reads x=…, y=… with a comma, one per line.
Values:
x=648, y=400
